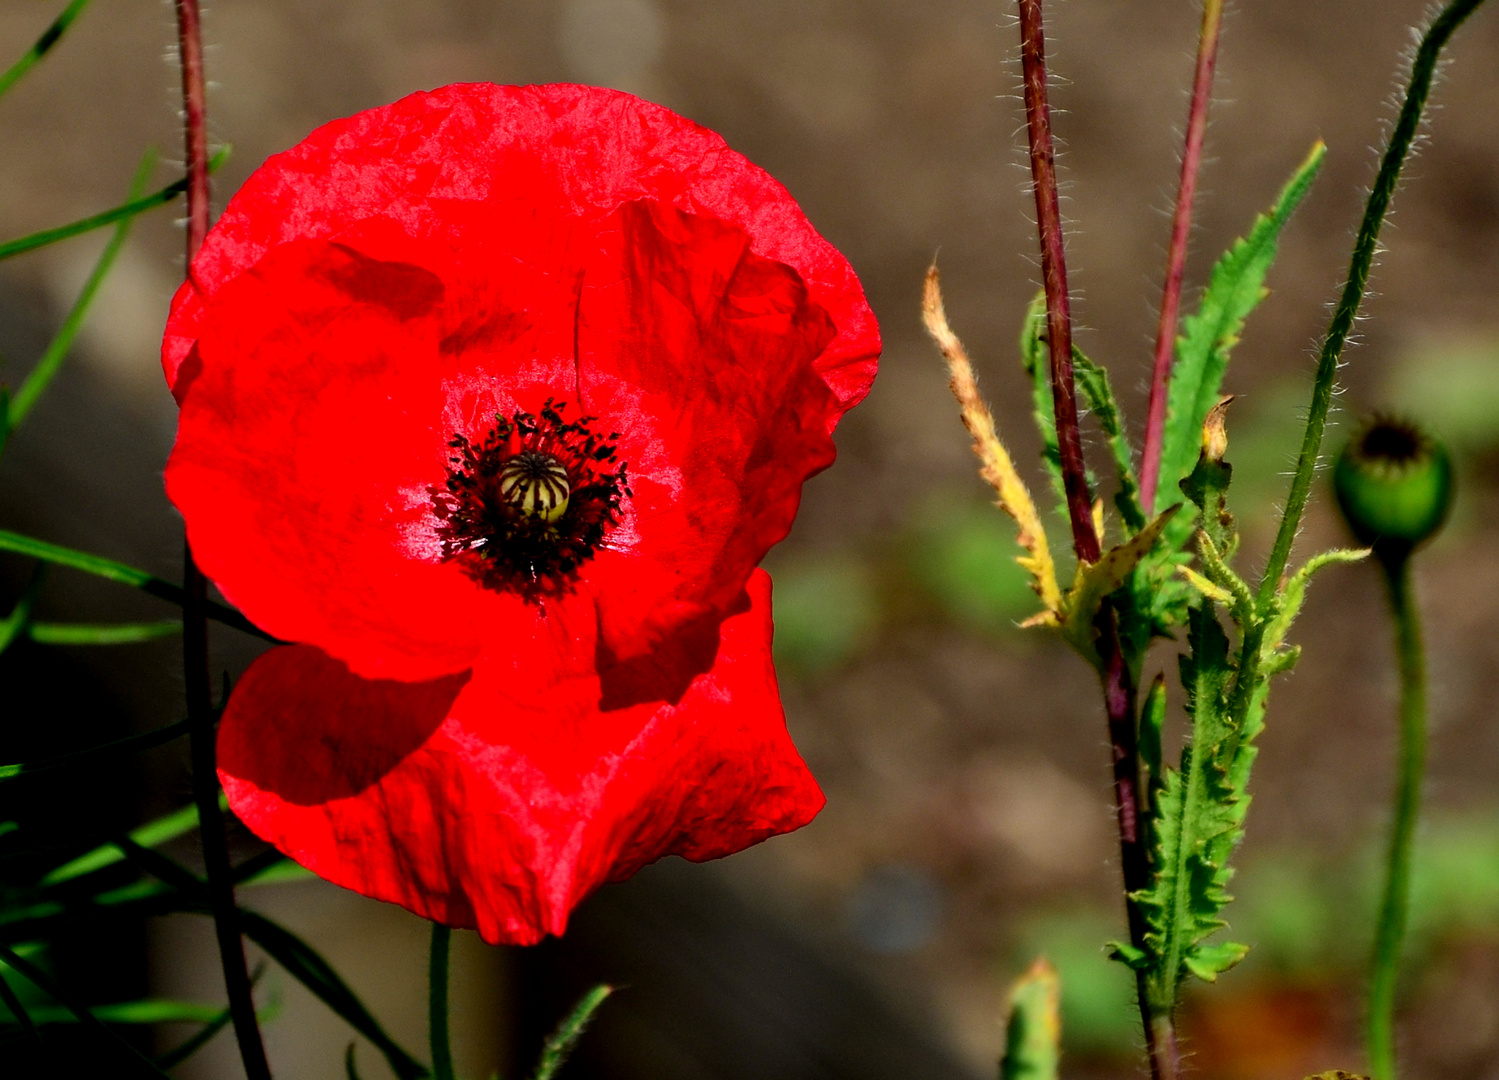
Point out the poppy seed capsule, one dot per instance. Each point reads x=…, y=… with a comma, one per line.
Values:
x=1394, y=483
x=536, y=485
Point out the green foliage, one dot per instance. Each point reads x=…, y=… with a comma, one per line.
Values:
x=58, y=555
x=1033, y=1033
x=827, y=610
x=1095, y=581
x=119, y=747
x=1234, y=288
x=49, y=38
x=561, y=1043
x=1098, y=396
x=23, y=244
x=963, y=558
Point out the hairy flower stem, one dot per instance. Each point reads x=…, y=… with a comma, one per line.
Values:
x=1119, y=690
x=200, y=710
x=1176, y=260
x=1423, y=70
x=437, y=1003
x=1392, y=909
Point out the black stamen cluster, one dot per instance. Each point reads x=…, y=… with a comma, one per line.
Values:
x=501, y=545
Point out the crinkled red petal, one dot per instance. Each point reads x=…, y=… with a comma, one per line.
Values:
x=329, y=378
x=498, y=799
x=563, y=148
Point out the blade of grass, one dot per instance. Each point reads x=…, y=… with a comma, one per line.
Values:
x=129, y=745
x=125, y=575
x=49, y=38
x=23, y=244
x=50, y=364
x=19, y=618
x=139, y=1063
x=46, y=633
x=18, y=1010
x=167, y=827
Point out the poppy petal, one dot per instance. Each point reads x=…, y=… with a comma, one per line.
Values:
x=499, y=799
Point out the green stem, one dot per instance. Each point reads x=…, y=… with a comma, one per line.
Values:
x=437, y=1003
x=1423, y=70
x=1393, y=907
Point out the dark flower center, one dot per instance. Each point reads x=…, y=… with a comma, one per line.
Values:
x=531, y=502
x=1392, y=443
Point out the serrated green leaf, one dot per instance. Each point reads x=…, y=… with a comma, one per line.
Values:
x=1098, y=397
x=1033, y=1033
x=1293, y=593
x=561, y=1043
x=1235, y=286
x=1196, y=821
x=1036, y=358
x=1095, y=581
x=1207, y=962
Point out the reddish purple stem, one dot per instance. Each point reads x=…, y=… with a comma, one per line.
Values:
x=1054, y=277
x=200, y=708
x=1118, y=685
x=1176, y=259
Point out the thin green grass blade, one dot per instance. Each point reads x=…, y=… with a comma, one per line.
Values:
x=1235, y=287
x=561, y=1043
x=18, y=1010
x=120, y=572
x=23, y=244
x=350, y=1071
x=304, y=964
x=49, y=38
x=131, y=744
x=134, y=1062
x=46, y=633
x=199, y=1039
x=168, y=827
x=57, y=349
x=19, y=618
x=145, y=1011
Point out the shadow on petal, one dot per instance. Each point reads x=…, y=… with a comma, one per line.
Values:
x=301, y=726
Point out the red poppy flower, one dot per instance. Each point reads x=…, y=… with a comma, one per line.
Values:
x=492, y=400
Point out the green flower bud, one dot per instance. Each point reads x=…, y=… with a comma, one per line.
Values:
x=1394, y=484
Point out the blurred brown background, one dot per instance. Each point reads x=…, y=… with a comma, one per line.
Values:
x=968, y=823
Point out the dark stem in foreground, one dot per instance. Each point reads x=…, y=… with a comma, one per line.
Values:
x=1118, y=685
x=1176, y=261
x=1392, y=909
x=200, y=711
x=437, y=1003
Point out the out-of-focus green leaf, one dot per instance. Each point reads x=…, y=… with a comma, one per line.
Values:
x=47, y=367
x=19, y=618
x=145, y=1011
x=350, y=1071
x=49, y=38
x=1033, y=1033
x=199, y=1039
x=129, y=745
x=132, y=1061
x=826, y=610
x=963, y=557
x=304, y=964
x=48, y=633
x=18, y=1009
x=23, y=244
x=559, y=1045
x=167, y=827
x=125, y=575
